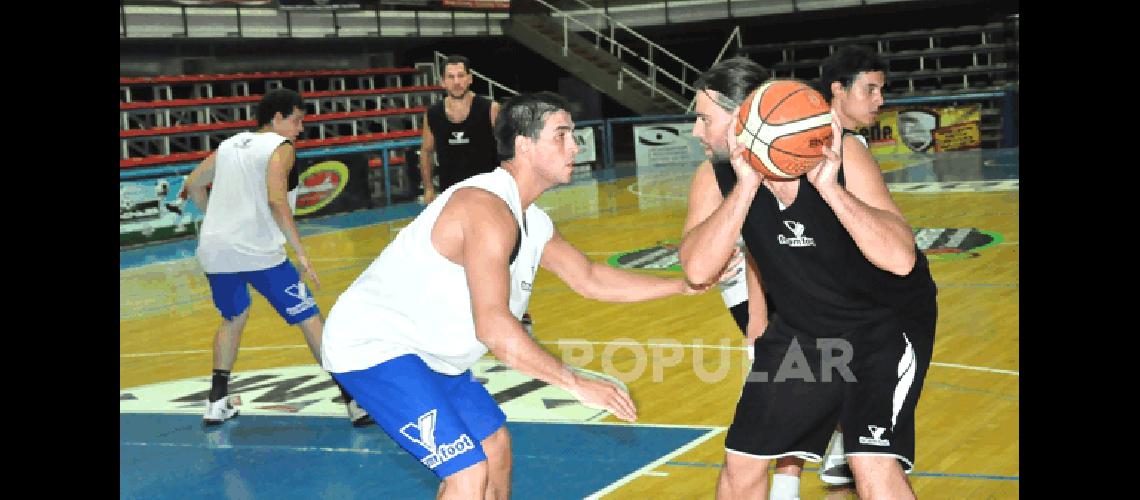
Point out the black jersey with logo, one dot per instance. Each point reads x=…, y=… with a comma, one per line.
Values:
x=811, y=269
x=466, y=148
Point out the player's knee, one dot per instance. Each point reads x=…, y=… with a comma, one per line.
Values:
x=879, y=477
x=498, y=443
x=745, y=473
x=467, y=483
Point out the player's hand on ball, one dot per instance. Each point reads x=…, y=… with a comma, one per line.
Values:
x=826, y=173
x=744, y=171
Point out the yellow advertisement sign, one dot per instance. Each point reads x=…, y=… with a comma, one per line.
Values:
x=920, y=129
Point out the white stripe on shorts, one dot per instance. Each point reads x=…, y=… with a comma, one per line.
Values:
x=806, y=455
x=907, y=367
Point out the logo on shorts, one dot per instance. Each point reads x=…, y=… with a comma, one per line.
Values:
x=298, y=291
x=876, y=438
x=424, y=429
x=798, y=239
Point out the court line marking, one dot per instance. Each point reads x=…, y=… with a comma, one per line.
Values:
x=654, y=464
x=210, y=351
x=321, y=449
x=986, y=369
x=960, y=475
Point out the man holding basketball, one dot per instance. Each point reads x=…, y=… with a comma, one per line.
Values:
x=854, y=298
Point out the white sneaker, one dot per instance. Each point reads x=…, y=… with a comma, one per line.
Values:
x=834, y=469
x=357, y=415
x=219, y=411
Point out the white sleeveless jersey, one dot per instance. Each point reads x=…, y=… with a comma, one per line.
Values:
x=412, y=300
x=238, y=232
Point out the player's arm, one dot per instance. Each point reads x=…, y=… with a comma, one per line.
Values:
x=598, y=281
x=494, y=113
x=864, y=206
x=757, y=305
x=713, y=223
x=427, y=147
x=277, y=182
x=197, y=181
x=487, y=236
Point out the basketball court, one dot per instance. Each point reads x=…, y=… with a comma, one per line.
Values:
x=680, y=358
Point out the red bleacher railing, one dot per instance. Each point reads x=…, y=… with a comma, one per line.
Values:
x=302, y=144
x=176, y=103
x=142, y=80
x=206, y=127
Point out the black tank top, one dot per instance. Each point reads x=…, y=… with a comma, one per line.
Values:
x=812, y=271
x=466, y=148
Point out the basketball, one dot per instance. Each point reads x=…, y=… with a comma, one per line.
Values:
x=784, y=124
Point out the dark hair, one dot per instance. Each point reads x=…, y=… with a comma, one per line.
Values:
x=277, y=101
x=456, y=59
x=734, y=78
x=844, y=67
x=525, y=115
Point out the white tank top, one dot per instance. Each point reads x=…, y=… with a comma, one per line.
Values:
x=238, y=232
x=412, y=300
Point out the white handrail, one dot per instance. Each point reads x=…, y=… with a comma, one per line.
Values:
x=647, y=84
x=653, y=68
x=739, y=44
x=639, y=36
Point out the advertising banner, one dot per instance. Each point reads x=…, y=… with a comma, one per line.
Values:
x=330, y=184
x=151, y=210
x=923, y=129
x=667, y=145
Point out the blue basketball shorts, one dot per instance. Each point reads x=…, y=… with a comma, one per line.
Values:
x=441, y=420
x=280, y=285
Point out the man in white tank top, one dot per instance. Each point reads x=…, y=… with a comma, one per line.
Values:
x=453, y=285
x=248, y=219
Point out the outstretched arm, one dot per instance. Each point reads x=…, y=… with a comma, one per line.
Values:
x=595, y=280
x=486, y=233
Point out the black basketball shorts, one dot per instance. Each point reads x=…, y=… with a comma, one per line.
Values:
x=802, y=385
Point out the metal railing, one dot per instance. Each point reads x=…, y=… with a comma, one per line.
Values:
x=236, y=21
x=739, y=43
x=617, y=49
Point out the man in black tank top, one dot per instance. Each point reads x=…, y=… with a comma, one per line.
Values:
x=461, y=129
x=458, y=128
x=854, y=295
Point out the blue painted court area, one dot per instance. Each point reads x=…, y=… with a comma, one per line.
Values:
x=252, y=456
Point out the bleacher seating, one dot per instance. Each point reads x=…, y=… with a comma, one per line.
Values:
x=940, y=61
x=929, y=61
x=188, y=117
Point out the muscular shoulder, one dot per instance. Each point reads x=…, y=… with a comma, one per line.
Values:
x=479, y=207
